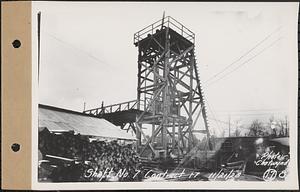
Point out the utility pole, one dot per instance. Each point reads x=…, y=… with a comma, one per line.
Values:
x=236, y=134
x=84, y=106
x=286, y=126
x=229, y=126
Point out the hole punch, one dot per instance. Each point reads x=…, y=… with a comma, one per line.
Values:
x=16, y=43
x=15, y=147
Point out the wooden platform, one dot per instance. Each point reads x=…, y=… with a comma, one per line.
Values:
x=160, y=36
x=122, y=117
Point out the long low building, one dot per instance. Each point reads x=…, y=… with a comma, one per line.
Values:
x=58, y=119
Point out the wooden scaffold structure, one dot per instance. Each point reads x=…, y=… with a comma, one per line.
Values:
x=170, y=99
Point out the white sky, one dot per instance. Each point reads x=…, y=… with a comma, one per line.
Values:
x=87, y=54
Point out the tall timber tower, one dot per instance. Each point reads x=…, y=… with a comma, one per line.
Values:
x=169, y=93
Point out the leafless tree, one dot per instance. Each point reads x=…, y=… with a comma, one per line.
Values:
x=237, y=131
x=223, y=133
x=279, y=127
x=257, y=128
x=282, y=127
x=271, y=125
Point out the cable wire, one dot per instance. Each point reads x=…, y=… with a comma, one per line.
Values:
x=247, y=61
x=245, y=54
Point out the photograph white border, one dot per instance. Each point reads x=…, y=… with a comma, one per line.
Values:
x=290, y=183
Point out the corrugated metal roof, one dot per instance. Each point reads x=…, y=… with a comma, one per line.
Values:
x=282, y=141
x=57, y=119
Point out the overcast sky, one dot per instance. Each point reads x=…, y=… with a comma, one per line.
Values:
x=243, y=51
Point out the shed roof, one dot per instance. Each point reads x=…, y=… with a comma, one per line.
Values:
x=58, y=119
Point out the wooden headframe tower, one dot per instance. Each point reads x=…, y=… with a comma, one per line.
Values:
x=169, y=96
x=168, y=90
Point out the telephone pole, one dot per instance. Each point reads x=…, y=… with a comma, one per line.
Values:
x=229, y=126
x=286, y=127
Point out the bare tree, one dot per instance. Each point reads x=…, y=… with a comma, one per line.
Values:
x=272, y=125
x=279, y=127
x=257, y=128
x=282, y=127
x=223, y=133
x=237, y=131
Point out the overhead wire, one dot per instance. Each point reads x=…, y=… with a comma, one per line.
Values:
x=245, y=54
x=251, y=110
x=247, y=61
x=218, y=126
x=240, y=65
x=74, y=48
